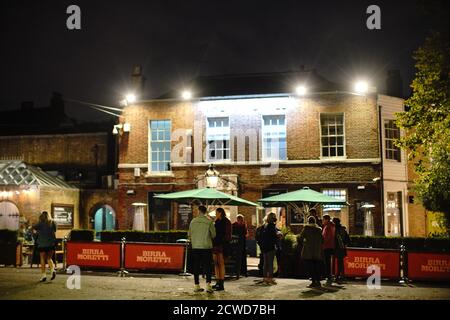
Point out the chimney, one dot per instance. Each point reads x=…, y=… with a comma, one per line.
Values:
x=137, y=81
x=57, y=104
x=394, y=84
x=27, y=105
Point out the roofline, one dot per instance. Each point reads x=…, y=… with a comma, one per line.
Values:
x=54, y=135
x=251, y=96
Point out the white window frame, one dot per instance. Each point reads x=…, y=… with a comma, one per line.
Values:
x=344, y=156
x=264, y=130
x=150, y=159
x=385, y=142
x=216, y=131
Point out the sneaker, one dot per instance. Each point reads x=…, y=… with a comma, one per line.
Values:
x=43, y=279
x=209, y=289
x=53, y=275
x=272, y=282
x=198, y=289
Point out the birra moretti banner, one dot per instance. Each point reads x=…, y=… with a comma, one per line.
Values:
x=428, y=266
x=91, y=254
x=154, y=256
x=358, y=260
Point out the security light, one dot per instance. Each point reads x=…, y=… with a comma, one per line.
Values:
x=186, y=95
x=361, y=87
x=130, y=98
x=300, y=90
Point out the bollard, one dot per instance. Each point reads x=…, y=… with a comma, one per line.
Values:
x=186, y=242
x=122, y=272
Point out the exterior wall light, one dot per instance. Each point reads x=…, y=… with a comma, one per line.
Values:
x=186, y=94
x=121, y=128
x=361, y=87
x=212, y=177
x=126, y=127
x=130, y=98
x=301, y=90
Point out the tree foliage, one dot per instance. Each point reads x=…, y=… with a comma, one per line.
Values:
x=427, y=123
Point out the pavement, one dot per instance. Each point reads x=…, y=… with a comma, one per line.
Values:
x=22, y=283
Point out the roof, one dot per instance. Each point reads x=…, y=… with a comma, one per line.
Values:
x=255, y=84
x=18, y=173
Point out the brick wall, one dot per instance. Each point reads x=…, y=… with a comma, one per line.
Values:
x=31, y=202
x=303, y=121
x=57, y=151
x=93, y=199
x=303, y=141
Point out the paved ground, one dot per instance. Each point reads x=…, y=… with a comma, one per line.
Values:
x=21, y=283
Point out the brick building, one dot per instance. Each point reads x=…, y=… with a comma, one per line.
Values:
x=81, y=155
x=262, y=138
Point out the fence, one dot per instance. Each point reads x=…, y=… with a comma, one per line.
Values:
x=125, y=255
x=394, y=264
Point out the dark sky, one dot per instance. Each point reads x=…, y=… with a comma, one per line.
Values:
x=176, y=40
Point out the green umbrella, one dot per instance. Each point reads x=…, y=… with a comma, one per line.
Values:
x=207, y=197
x=302, y=200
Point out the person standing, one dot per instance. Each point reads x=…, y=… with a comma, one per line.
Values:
x=268, y=244
x=223, y=237
x=329, y=244
x=201, y=235
x=240, y=231
x=45, y=242
x=342, y=240
x=312, y=254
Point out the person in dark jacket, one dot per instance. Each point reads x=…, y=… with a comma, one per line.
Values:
x=240, y=232
x=311, y=240
x=329, y=243
x=270, y=236
x=342, y=240
x=45, y=243
x=223, y=237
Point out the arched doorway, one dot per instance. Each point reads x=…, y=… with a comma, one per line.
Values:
x=104, y=219
x=9, y=215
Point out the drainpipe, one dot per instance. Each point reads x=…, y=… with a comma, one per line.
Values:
x=380, y=133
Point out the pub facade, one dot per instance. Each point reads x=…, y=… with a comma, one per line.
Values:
x=262, y=138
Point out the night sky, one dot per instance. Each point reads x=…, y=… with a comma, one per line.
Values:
x=174, y=41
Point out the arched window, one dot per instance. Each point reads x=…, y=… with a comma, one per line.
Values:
x=9, y=215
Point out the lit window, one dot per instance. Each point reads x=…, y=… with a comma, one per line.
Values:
x=218, y=136
x=391, y=132
x=160, y=145
x=332, y=135
x=274, y=138
x=340, y=194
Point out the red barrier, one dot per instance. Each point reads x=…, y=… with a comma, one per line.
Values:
x=428, y=266
x=357, y=261
x=93, y=254
x=151, y=256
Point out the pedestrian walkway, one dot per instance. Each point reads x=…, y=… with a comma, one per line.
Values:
x=22, y=283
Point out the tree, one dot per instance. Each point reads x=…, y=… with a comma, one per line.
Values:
x=427, y=123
